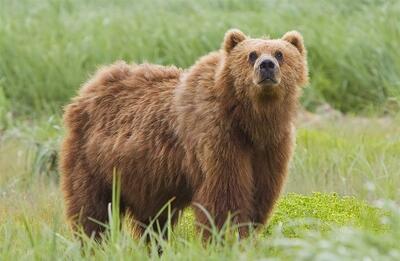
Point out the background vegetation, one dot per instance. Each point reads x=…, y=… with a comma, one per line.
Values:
x=49, y=47
x=341, y=201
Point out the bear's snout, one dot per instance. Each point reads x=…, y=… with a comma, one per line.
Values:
x=268, y=72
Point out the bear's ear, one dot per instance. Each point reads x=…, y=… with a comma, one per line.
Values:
x=232, y=38
x=295, y=39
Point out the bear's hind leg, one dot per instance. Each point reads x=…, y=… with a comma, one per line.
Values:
x=154, y=230
x=158, y=227
x=87, y=206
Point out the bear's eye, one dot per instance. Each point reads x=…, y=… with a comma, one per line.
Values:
x=253, y=57
x=279, y=56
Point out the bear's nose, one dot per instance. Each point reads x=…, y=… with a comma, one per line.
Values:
x=267, y=65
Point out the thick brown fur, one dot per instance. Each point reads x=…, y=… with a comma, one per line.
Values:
x=208, y=135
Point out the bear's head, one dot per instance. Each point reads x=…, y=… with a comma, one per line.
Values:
x=262, y=68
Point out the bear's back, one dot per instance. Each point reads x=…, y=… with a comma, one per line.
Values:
x=122, y=116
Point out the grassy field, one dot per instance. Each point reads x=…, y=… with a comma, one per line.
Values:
x=341, y=201
x=353, y=163
x=48, y=47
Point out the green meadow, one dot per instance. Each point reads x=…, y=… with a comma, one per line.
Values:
x=341, y=200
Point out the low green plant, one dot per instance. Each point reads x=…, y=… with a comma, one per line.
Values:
x=322, y=211
x=296, y=213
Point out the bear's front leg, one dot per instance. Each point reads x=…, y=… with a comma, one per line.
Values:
x=270, y=170
x=227, y=189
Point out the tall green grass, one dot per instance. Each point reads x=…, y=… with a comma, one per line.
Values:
x=48, y=47
x=303, y=228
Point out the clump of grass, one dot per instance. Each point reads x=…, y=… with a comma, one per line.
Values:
x=353, y=54
x=37, y=143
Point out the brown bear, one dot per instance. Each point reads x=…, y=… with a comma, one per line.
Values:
x=219, y=135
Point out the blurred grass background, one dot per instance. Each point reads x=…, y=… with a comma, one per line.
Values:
x=49, y=47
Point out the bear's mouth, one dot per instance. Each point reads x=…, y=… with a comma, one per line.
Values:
x=268, y=81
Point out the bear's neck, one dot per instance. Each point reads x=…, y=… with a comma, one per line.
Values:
x=268, y=124
x=262, y=122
